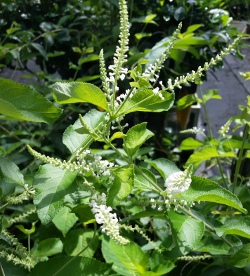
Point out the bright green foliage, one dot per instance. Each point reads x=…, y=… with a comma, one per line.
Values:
x=146, y=101
x=135, y=137
x=235, y=226
x=81, y=242
x=21, y=102
x=188, y=231
x=52, y=184
x=122, y=186
x=111, y=207
x=10, y=172
x=127, y=260
x=76, y=92
x=48, y=247
x=64, y=220
x=202, y=189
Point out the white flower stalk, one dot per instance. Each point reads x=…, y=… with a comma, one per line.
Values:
x=103, y=215
x=178, y=182
x=86, y=163
x=152, y=72
x=225, y=128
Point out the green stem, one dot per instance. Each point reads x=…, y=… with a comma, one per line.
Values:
x=240, y=158
x=29, y=243
x=89, y=140
x=157, y=188
x=4, y=206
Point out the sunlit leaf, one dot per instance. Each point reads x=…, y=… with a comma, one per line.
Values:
x=21, y=102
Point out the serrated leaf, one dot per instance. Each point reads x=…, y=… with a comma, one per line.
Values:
x=21, y=102
x=235, y=226
x=189, y=231
x=241, y=258
x=145, y=100
x=48, y=247
x=79, y=239
x=74, y=140
x=164, y=166
x=205, y=153
x=203, y=189
x=127, y=260
x=64, y=220
x=135, y=137
x=122, y=186
x=9, y=172
x=77, y=92
x=52, y=184
x=73, y=266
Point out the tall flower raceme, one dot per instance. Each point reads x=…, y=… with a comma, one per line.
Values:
x=86, y=163
x=103, y=215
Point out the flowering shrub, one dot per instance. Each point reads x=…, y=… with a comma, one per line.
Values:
x=116, y=211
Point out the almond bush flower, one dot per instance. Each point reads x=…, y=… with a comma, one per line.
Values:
x=103, y=215
x=178, y=182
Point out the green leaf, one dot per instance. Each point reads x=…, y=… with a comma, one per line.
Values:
x=73, y=139
x=189, y=231
x=143, y=180
x=122, y=185
x=135, y=137
x=210, y=94
x=235, y=226
x=213, y=246
x=164, y=166
x=48, y=247
x=145, y=100
x=186, y=101
x=40, y=49
x=203, y=189
x=159, y=264
x=79, y=239
x=241, y=258
x=127, y=260
x=73, y=266
x=9, y=172
x=27, y=231
x=22, y=102
x=190, y=144
x=77, y=92
x=205, y=153
x=52, y=185
x=193, y=28
x=64, y=220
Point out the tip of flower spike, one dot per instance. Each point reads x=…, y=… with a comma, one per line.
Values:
x=179, y=182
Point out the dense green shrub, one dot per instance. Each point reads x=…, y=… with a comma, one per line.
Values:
x=170, y=221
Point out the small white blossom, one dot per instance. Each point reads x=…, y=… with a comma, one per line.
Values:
x=109, y=220
x=178, y=182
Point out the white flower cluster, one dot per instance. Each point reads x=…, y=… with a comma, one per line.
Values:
x=90, y=162
x=178, y=182
x=195, y=130
x=109, y=221
x=225, y=128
